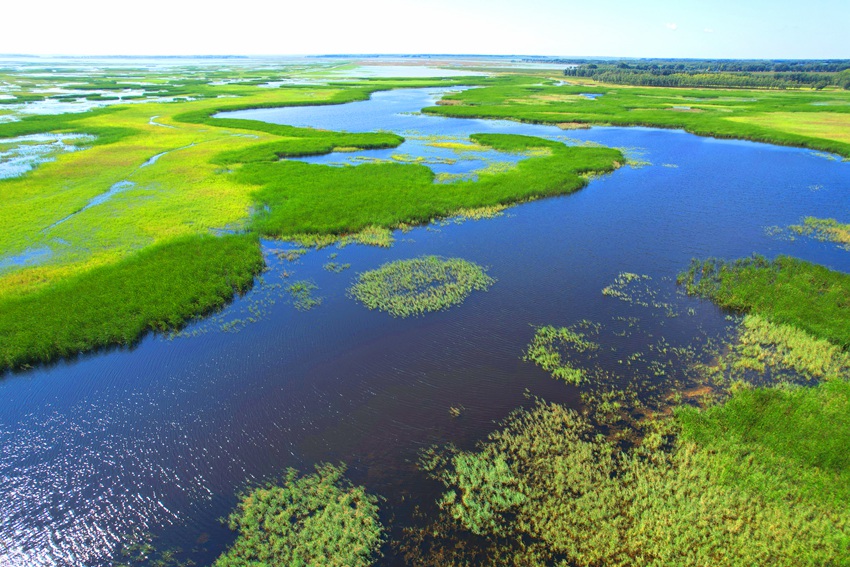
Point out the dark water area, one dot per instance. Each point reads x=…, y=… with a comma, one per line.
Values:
x=160, y=438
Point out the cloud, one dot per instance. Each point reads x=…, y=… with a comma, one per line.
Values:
x=708, y=30
x=672, y=26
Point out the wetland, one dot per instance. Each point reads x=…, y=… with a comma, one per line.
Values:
x=242, y=331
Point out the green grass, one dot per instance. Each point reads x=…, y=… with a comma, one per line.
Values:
x=768, y=439
x=158, y=289
x=293, y=197
x=420, y=285
x=797, y=118
x=786, y=291
x=319, y=519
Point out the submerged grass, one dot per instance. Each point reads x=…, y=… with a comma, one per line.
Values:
x=778, y=353
x=420, y=285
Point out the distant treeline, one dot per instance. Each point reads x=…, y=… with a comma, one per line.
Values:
x=774, y=74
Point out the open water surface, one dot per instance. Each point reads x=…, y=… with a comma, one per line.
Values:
x=161, y=437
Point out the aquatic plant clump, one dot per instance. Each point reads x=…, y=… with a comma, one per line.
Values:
x=317, y=519
x=420, y=285
x=827, y=230
x=549, y=489
x=550, y=347
x=779, y=353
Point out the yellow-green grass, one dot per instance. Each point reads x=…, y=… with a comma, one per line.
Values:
x=825, y=125
x=809, y=119
x=760, y=481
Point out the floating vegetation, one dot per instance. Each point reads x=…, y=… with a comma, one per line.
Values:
x=826, y=156
x=826, y=230
x=290, y=255
x=634, y=289
x=317, y=519
x=407, y=158
x=301, y=293
x=551, y=347
x=336, y=267
x=420, y=285
x=370, y=236
x=459, y=146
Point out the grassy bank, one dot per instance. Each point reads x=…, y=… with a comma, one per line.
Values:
x=157, y=289
x=786, y=291
x=809, y=119
x=160, y=174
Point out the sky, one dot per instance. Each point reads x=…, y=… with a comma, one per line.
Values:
x=758, y=29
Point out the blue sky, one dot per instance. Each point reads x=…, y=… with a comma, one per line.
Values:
x=617, y=28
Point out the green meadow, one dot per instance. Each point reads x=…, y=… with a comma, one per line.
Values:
x=175, y=173
x=818, y=120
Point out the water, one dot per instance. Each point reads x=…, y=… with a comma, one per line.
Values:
x=20, y=155
x=161, y=437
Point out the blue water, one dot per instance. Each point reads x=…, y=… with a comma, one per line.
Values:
x=159, y=438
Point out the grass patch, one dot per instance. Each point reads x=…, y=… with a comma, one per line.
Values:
x=158, y=289
x=544, y=489
x=827, y=230
x=550, y=348
x=414, y=287
x=786, y=291
x=293, y=197
x=316, y=519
